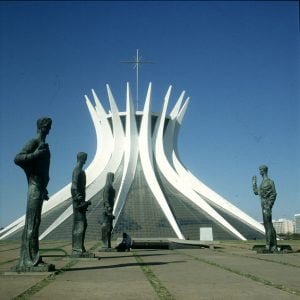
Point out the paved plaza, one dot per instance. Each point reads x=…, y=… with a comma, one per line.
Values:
x=230, y=271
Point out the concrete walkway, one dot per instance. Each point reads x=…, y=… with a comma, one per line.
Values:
x=232, y=271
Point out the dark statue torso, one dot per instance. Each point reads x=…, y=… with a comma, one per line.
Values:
x=36, y=168
x=107, y=214
x=78, y=187
x=108, y=202
x=267, y=194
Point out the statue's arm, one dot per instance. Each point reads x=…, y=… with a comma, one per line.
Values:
x=254, y=186
x=75, y=180
x=78, y=197
x=83, y=205
x=273, y=193
x=27, y=154
x=108, y=210
x=79, y=203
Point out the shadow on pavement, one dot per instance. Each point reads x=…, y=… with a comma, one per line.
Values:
x=141, y=255
x=122, y=266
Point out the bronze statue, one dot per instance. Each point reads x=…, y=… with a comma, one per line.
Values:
x=34, y=159
x=79, y=206
x=267, y=193
x=108, y=205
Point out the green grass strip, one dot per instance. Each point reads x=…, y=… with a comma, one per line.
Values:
x=247, y=275
x=159, y=288
x=95, y=246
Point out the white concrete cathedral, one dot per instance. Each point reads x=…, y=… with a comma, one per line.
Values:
x=156, y=195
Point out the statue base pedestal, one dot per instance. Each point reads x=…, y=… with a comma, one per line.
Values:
x=36, y=269
x=279, y=250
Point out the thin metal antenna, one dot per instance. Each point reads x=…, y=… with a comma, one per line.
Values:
x=138, y=60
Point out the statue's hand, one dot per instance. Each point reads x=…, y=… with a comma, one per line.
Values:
x=43, y=146
x=46, y=197
x=79, y=198
x=41, y=149
x=254, y=180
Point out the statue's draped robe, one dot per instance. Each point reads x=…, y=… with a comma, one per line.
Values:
x=36, y=167
x=108, y=205
x=79, y=210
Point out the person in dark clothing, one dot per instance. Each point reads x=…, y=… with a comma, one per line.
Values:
x=125, y=245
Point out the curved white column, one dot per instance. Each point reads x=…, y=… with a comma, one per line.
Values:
x=12, y=227
x=177, y=121
x=65, y=193
x=146, y=153
x=101, y=158
x=203, y=190
x=110, y=156
x=113, y=144
x=169, y=131
x=118, y=134
x=173, y=178
x=104, y=139
x=130, y=156
x=65, y=215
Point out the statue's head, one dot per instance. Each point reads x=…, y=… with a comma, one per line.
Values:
x=110, y=177
x=81, y=157
x=44, y=125
x=263, y=169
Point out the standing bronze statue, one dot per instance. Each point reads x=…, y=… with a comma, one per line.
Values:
x=267, y=193
x=79, y=206
x=108, y=206
x=34, y=159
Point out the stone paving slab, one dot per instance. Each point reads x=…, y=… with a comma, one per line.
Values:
x=283, y=258
x=11, y=286
x=8, y=258
x=186, y=278
x=183, y=273
x=275, y=273
x=114, y=276
x=9, y=251
x=292, y=259
x=249, y=244
x=4, y=246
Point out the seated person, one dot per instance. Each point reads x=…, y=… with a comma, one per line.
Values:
x=125, y=244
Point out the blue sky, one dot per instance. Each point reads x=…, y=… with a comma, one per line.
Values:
x=238, y=61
